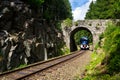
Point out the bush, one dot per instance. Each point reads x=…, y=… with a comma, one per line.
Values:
x=111, y=47
x=114, y=65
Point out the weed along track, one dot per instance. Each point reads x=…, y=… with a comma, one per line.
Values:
x=38, y=67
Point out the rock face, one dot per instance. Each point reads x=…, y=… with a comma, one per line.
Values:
x=24, y=38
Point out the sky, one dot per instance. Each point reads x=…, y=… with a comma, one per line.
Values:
x=79, y=8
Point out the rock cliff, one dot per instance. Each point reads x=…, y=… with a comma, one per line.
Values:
x=25, y=38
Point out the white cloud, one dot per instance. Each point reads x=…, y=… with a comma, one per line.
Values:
x=80, y=12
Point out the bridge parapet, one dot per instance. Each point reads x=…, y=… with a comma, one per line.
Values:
x=92, y=22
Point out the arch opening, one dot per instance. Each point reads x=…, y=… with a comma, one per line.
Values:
x=79, y=31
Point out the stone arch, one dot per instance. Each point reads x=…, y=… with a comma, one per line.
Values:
x=72, y=44
x=96, y=27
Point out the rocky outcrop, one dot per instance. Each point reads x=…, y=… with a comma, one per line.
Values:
x=24, y=37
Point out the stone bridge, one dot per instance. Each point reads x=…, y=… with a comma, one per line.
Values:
x=95, y=27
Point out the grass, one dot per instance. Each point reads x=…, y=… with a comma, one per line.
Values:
x=96, y=60
x=91, y=71
x=65, y=50
x=95, y=68
x=22, y=65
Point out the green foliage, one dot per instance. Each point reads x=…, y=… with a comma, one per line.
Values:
x=96, y=59
x=102, y=77
x=111, y=47
x=57, y=10
x=115, y=77
x=21, y=66
x=58, y=26
x=65, y=50
x=76, y=23
x=35, y=3
x=108, y=35
x=96, y=46
x=91, y=68
x=68, y=22
x=51, y=10
x=114, y=65
x=104, y=9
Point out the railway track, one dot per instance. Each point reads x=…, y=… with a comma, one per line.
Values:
x=37, y=67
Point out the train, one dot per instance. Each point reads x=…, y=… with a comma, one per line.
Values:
x=84, y=43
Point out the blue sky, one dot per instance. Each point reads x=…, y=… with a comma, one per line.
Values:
x=77, y=3
x=79, y=8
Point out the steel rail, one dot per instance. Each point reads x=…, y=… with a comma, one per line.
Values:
x=19, y=74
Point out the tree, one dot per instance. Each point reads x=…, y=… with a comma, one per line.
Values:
x=104, y=9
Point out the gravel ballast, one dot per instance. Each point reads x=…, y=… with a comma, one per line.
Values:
x=67, y=71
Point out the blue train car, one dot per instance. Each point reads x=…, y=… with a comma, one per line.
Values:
x=84, y=43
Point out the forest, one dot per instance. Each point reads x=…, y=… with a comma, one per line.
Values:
x=104, y=9
x=52, y=9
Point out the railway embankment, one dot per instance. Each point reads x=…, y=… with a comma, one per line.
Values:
x=67, y=67
x=70, y=70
